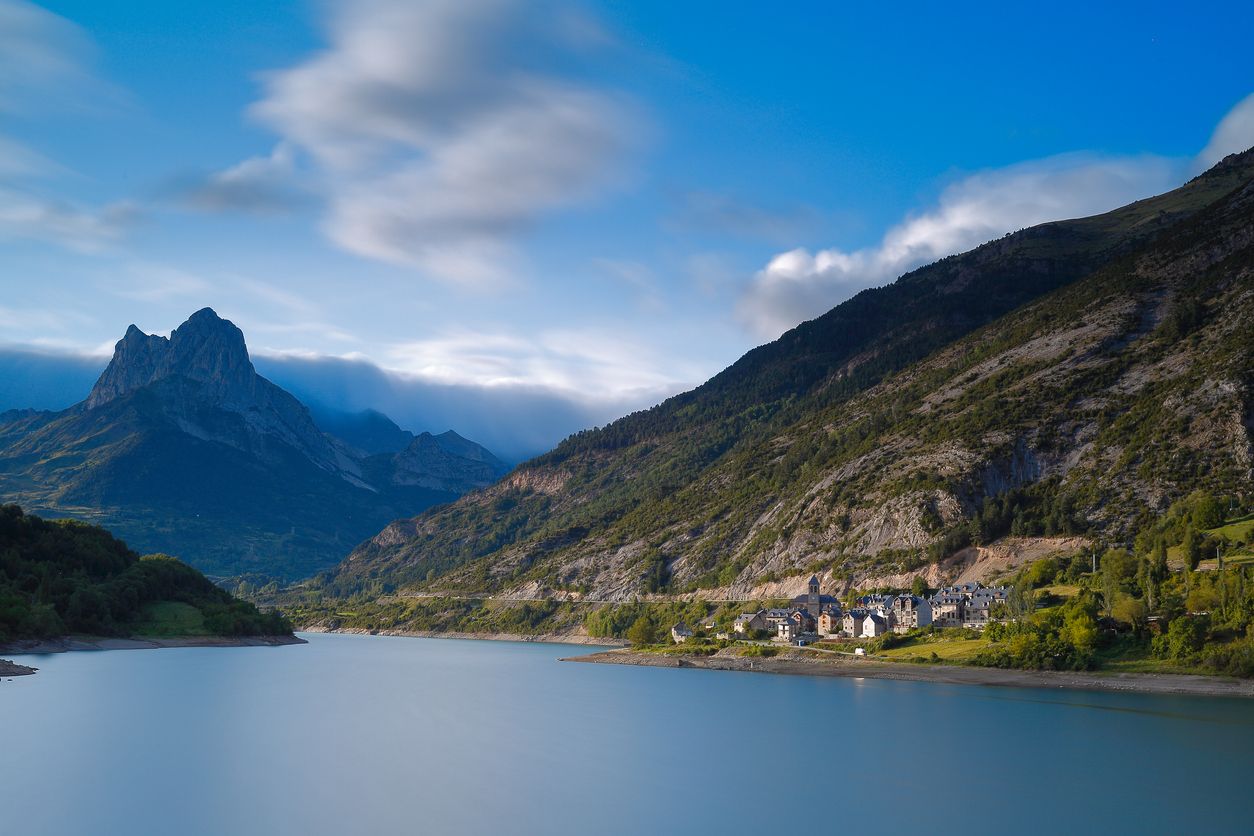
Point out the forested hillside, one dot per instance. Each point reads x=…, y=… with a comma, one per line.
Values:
x=63, y=577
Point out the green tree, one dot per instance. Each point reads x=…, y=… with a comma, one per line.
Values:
x=1184, y=637
x=1158, y=559
x=1042, y=572
x=1192, y=548
x=1208, y=511
x=918, y=586
x=642, y=631
x=1118, y=567
x=1130, y=610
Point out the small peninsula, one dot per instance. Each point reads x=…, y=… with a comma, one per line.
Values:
x=68, y=585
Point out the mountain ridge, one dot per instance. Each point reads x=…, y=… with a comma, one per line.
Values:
x=180, y=439
x=696, y=493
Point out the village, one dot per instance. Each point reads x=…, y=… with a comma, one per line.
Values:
x=813, y=616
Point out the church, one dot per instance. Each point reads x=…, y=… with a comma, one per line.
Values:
x=814, y=602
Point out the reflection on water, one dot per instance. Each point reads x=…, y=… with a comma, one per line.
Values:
x=352, y=734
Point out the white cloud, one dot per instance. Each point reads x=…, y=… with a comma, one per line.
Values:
x=32, y=216
x=47, y=62
x=46, y=67
x=588, y=364
x=1234, y=133
x=798, y=284
x=443, y=129
x=261, y=185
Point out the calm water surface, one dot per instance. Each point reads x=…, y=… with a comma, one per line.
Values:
x=362, y=735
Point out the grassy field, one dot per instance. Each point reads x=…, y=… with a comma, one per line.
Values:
x=1060, y=590
x=1239, y=529
x=947, y=650
x=171, y=618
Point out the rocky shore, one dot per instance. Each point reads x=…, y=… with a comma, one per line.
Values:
x=65, y=644
x=797, y=663
x=8, y=669
x=543, y=638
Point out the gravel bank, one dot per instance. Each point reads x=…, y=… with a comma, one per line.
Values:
x=795, y=664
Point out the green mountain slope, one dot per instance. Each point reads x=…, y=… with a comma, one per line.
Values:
x=183, y=448
x=1081, y=373
x=62, y=577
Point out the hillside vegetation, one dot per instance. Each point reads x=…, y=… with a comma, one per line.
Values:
x=1073, y=378
x=63, y=577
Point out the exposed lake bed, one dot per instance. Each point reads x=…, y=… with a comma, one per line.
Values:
x=793, y=663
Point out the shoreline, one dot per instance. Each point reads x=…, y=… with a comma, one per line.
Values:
x=10, y=669
x=67, y=644
x=539, y=638
x=798, y=665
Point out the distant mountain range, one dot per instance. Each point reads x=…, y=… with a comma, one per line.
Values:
x=182, y=447
x=1074, y=377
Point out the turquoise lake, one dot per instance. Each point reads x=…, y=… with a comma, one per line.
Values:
x=364, y=735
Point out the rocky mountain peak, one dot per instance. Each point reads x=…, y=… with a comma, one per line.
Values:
x=209, y=348
x=205, y=348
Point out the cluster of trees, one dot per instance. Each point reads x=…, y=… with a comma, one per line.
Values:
x=62, y=577
x=1060, y=638
x=1136, y=604
x=441, y=615
x=645, y=623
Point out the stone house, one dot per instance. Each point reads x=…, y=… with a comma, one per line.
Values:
x=750, y=622
x=966, y=605
x=851, y=623
x=804, y=621
x=910, y=612
x=680, y=633
x=786, y=631
x=947, y=608
x=774, y=616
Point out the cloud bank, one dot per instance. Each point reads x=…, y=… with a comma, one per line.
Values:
x=516, y=419
x=441, y=130
x=798, y=285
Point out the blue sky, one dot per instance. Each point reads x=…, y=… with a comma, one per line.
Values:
x=555, y=211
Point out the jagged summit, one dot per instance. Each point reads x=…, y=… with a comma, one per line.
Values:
x=183, y=448
x=205, y=348
x=446, y=462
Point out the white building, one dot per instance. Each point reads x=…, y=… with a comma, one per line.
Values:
x=874, y=624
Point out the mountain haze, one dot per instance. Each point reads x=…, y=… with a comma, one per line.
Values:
x=1073, y=376
x=182, y=447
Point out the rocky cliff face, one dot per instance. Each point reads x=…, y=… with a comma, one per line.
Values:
x=205, y=348
x=446, y=462
x=203, y=369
